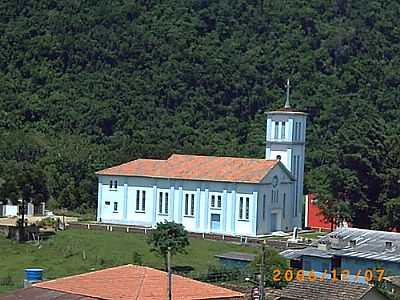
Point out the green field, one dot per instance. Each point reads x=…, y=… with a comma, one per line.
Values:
x=64, y=253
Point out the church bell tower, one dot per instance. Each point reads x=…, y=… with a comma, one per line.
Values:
x=285, y=140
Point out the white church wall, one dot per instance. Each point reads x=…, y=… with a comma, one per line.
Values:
x=125, y=197
x=282, y=208
x=111, y=196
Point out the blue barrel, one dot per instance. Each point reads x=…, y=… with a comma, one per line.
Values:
x=34, y=274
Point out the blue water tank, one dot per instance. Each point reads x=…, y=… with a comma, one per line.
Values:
x=34, y=274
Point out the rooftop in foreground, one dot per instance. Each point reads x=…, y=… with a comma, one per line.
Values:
x=326, y=290
x=355, y=242
x=127, y=282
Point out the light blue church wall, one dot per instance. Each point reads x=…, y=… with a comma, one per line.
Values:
x=226, y=219
x=126, y=213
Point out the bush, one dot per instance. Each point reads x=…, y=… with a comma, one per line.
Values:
x=137, y=258
x=47, y=222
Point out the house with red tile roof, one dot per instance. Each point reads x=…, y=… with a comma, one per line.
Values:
x=127, y=282
x=209, y=194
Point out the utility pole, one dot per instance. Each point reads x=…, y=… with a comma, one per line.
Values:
x=22, y=223
x=262, y=271
x=169, y=274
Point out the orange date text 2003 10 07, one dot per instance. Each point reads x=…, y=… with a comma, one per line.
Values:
x=301, y=275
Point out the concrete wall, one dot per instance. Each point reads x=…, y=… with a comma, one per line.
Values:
x=9, y=210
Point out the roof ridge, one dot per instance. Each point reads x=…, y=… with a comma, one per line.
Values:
x=214, y=156
x=80, y=275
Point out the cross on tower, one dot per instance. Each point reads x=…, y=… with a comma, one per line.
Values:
x=287, y=103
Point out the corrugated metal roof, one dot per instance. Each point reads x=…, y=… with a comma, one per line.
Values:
x=238, y=256
x=370, y=244
x=317, y=290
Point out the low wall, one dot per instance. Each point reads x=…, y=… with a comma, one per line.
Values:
x=279, y=245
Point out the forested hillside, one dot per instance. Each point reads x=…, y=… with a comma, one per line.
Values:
x=88, y=84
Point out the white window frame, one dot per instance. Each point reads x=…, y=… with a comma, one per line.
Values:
x=163, y=202
x=215, y=200
x=244, y=208
x=283, y=130
x=140, y=201
x=189, y=205
x=276, y=130
x=113, y=185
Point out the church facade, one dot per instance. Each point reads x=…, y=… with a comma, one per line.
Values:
x=208, y=194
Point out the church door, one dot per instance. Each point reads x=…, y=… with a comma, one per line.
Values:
x=215, y=222
x=274, y=219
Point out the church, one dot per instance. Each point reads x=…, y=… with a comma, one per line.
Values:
x=208, y=194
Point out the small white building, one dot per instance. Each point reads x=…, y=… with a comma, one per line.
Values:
x=207, y=194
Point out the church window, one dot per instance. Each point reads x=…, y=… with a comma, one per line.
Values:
x=299, y=131
x=143, y=200
x=244, y=208
x=163, y=203
x=189, y=204
x=263, y=212
x=283, y=129
x=276, y=135
x=192, y=206
x=107, y=203
x=137, y=200
x=216, y=201
x=240, y=208
x=115, y=206
x=247, y=208
x=186, y=204
x=166, y=203
x=113, y=185
x=284, y=204
x=140, y=201
x=160, y=203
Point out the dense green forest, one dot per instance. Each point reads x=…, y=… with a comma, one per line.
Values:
x=88, y=84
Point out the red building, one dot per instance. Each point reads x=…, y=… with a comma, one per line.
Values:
x=314, y=217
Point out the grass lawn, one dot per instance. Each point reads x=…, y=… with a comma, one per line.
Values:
x=64, y=253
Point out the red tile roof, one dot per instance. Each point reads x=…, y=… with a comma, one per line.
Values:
x=131, y=282
x=196, y=167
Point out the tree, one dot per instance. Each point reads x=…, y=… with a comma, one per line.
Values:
x=331, y=189
x=31, y=187
x=168, y=234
